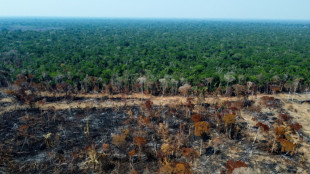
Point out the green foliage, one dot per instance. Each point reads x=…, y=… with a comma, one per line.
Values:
x=194, y=50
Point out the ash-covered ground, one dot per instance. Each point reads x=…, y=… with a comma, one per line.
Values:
x=132, y=135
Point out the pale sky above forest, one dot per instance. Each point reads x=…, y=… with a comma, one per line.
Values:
x=202, y=9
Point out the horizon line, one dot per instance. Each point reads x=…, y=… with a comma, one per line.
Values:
x=156, y=18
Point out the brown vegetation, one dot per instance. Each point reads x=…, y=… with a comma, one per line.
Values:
x=168, y=134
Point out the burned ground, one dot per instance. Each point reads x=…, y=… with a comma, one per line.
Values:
x=132, y=134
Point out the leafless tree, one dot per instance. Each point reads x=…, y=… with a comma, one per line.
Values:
x=174, y=86
x=141, y=81
x=229, y=77
x=164, y=84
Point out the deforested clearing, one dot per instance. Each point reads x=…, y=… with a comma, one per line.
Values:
x=112, y=133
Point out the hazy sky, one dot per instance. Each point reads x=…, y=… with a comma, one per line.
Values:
x=228, y=9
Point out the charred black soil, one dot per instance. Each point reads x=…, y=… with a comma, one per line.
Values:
x=224, y=136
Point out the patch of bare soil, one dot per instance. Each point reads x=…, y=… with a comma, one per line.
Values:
x=98, y=133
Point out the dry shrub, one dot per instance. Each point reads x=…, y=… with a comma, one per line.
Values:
x=182, y=168
x=140, y=141
x=125, y=132
x=280, y=121
x=144, y=120
x=284, y=117
x=92, y=154
x=172, y=110
x=234, y=110
x=189, y=103
x=229, y=119
x=167, y=149
x=263, y=127
x=196, y=118
x=92, y=158
x=216, y=142
x=9, y=92
x=105, y=147
x=189, y=153
x=167, y=168
x=118, y=140
x=279, y=131
x=201, y=128
x=227, y=104
x=175, y=168
x=132, y=152
x=23, y=128
x=269, y=102
x=149, y=105
x=231, y=165
x=200, y=109
x=163, y=130
x=267, y=98
x=130, y=113
x=295, y=127
x=287, y=146
x=133, y=171
x=239, y=104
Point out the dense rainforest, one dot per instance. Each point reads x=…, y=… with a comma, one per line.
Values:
x=130, y=54
x=135, y=96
